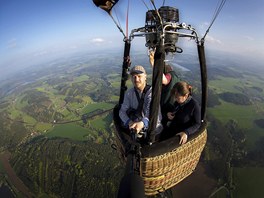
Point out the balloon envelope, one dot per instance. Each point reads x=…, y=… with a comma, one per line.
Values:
x=106, y=5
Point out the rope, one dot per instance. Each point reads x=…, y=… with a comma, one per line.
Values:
x=217, y=11
x=127, y=19
x=119, y=24
x=120, y=29
x=153, y=3
x=145, y=4
x=157, y=12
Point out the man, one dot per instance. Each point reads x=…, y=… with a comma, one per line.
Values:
x=134, y=111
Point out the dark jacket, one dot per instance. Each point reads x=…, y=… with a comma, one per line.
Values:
x=166, y=89
x=187, y=117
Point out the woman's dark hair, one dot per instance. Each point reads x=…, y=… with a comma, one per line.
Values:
x=182, y=88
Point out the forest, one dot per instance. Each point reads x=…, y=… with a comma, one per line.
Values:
x=65, y=168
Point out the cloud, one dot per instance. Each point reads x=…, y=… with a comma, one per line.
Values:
x=204, y=25
x=12, y=43
x=41, y=53
x=250, y=38
x=97, y=40
x=73, y=47
x=213, y=40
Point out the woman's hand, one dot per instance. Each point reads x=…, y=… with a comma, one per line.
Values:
x=151, y=56
x=170, y=115
x=183, y=137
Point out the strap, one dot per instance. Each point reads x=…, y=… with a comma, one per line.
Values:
x=141, y=100
x=159, y=58
x=203, y=69
x=125, y=67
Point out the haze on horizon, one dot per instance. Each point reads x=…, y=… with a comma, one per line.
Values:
x=35, y=31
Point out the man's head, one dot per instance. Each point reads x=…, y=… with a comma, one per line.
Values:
x=138, y=77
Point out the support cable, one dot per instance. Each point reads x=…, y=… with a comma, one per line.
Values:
x=120, y=29
x=217, y=11
x=119, y=24
x=145, y=4
x=127, y=18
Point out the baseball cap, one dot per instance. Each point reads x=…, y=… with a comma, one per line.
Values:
x=138, y=69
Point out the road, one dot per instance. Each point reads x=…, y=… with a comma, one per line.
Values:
x=13, y=178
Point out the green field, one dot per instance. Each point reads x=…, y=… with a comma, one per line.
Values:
x=71, y=131
x=95, y=106
x=42, y=127
x=76, y=132
x=114, y=79
x=244, y=115
x=102, y=123
x=248, y=182
x=227, y=84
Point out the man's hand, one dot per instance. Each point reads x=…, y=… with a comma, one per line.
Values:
x=138, y=126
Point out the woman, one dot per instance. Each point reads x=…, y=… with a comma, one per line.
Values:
x=169, y=78
x=183, y=118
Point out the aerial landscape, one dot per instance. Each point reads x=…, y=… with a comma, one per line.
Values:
x=61, y=79
x=56, y=152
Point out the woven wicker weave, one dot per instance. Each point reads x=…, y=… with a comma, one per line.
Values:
x=164, y=171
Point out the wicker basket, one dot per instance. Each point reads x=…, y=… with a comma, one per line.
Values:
x=166, y=170
x=166, y=163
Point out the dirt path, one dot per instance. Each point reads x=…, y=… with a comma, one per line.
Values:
x=19, y=185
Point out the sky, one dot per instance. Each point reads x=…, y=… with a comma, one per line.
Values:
x=36, y=29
